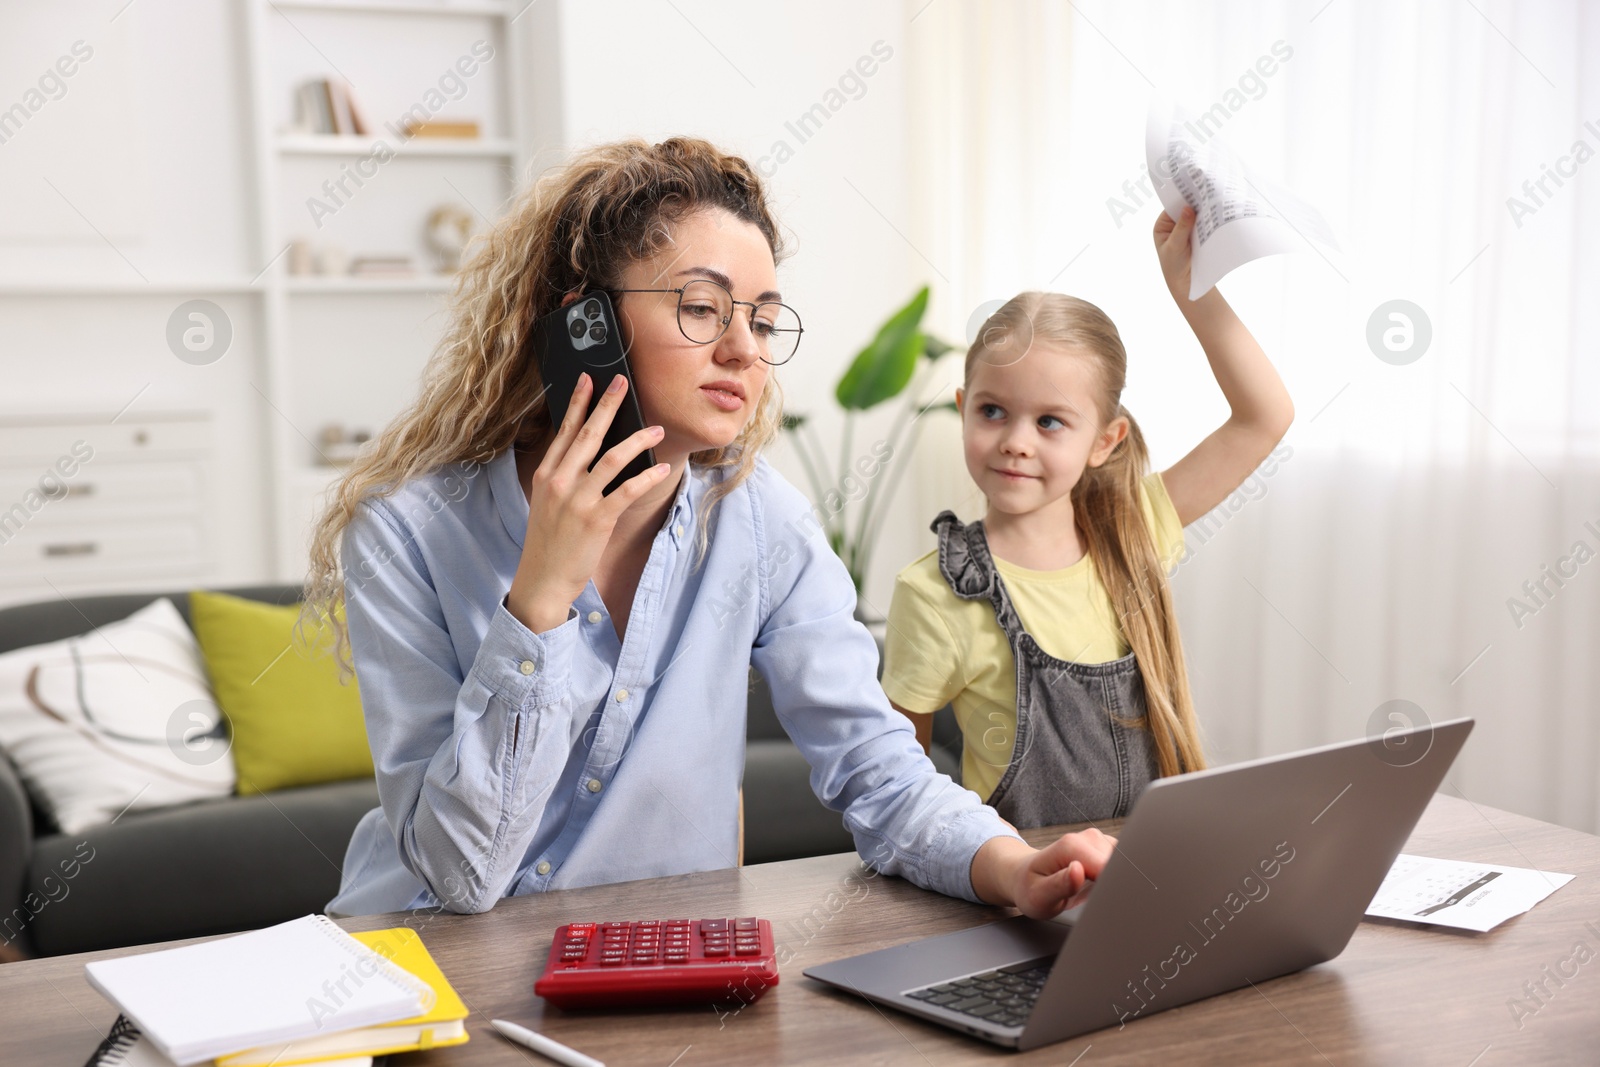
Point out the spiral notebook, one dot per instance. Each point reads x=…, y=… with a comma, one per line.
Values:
x=299, y=979
x=124, y=1046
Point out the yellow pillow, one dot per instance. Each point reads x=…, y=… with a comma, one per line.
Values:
x=292, y=723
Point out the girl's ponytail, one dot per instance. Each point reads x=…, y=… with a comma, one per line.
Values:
x=1105, y=503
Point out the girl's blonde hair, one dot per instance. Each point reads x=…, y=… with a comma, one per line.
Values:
x=1105, y=506
x=575, y=230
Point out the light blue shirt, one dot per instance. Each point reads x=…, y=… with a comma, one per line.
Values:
x=510, y=762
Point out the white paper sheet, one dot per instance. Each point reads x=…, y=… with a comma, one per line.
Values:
x=1468, y=896
x=1238, y=215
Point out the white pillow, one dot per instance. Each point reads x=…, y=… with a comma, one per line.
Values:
x=118, y=719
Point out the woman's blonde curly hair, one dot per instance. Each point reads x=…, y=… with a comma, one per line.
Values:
x=574, y=230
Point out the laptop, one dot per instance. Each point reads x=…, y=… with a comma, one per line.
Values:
x=1220, y=878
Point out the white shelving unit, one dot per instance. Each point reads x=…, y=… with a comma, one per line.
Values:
x=344, y=145
x=310, y=322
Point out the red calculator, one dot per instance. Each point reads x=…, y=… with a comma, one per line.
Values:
x=659, y=961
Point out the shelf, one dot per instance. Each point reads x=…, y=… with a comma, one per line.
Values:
x=163, y=288
x=425, y=283
x=491, y=8
x=328, y=144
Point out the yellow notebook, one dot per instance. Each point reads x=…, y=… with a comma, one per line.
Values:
x=444, y=1025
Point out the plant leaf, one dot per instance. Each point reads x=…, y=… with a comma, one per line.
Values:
x=792, y=421
x=933, y=347
x=882, y=369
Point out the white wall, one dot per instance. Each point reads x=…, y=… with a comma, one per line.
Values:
x=736, y=74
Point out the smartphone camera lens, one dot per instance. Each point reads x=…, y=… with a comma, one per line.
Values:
x=592, y=309
x=597, y=333
x=578, y=328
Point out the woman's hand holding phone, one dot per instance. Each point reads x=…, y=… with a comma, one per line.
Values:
x=569, y=519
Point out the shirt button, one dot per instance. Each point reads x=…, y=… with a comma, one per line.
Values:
x=677, y=528
x=544, y=867
x=527, y=666
x=594, y=785
x=622, y=695
x=594, y=616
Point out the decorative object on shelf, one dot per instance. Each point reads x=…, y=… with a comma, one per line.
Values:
x=448, y=230
x=462, y=129
x=328, y=106
x=395, y=266
x=337, y=447
x=332, y=259
x=302, y=258
x=866, y=484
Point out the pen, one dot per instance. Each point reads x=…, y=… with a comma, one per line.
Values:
x=544, y=1045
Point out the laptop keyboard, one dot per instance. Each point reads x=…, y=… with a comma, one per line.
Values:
x=1004, y=997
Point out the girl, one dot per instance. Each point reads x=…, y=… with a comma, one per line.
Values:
x=1048, y=623
x=554, y=679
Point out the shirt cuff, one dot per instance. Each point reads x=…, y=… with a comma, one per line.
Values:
x=959, y=847
x=525, y=668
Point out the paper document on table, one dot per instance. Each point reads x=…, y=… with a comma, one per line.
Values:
x=1238, y=215
x=1468, y=896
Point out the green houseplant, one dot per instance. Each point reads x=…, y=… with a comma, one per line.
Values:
x=854, y=507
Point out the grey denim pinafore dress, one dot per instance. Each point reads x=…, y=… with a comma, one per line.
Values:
x=1071, y=760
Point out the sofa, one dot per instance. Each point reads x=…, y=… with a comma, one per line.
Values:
x=242, y=862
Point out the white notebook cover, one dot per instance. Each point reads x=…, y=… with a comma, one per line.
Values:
x=299, y=979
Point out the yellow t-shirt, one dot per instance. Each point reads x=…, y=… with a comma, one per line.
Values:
x=941, y=649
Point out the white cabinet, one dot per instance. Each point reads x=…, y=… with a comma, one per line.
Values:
x=90, y=505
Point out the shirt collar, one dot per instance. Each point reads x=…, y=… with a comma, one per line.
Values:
x=512, y=502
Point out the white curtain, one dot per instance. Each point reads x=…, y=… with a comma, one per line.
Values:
x=1386, y=556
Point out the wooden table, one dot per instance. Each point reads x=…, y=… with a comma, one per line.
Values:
x=1398, y=993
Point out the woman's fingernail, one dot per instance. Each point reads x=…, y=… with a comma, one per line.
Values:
x=616, y=384
x=584, y=379
x=656, y=431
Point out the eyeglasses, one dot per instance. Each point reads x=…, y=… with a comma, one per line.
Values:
x=705, y=308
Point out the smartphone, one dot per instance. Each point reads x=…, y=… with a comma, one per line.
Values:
x=583, y=336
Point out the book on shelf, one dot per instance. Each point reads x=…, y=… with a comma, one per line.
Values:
x=328, y=106
x=383, y=267
x=460, y=129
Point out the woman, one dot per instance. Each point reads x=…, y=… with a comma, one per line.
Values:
x=553, y=679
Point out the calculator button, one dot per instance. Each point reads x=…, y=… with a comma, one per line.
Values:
x=716, y=950
x=610, y=961
x=647, y=922
x=713, y=925
x=747, y=924
x=580, y=928
x=746, y=950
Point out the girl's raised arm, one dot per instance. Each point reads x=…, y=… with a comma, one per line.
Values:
x=1261, y=410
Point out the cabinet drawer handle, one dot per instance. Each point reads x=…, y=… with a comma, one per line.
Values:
x=78, y=548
